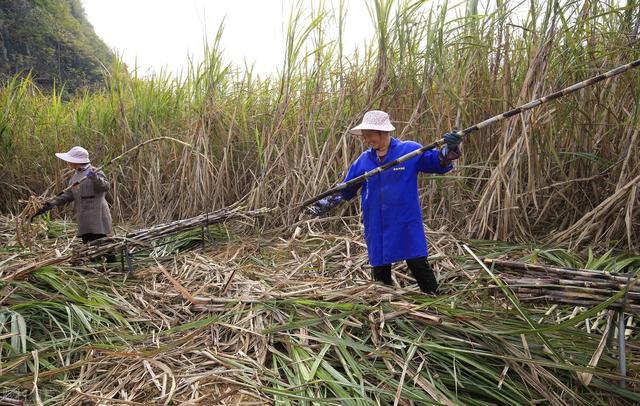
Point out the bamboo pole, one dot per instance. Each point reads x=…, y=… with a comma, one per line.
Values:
x=520, y=109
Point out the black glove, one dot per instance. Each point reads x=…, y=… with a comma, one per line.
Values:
x=451, y=151
x=453, y=140
x=325, y=205
x=45, y=208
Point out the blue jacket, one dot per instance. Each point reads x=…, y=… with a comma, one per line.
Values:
x=390, y=203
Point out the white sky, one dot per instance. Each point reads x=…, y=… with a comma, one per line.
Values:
x=156, y=34
x=163, y=34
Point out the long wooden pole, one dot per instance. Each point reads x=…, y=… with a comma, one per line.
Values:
x=142, y=144
x=528, y=106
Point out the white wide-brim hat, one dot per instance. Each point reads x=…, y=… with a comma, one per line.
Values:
x=373, y=120
x=76, y=155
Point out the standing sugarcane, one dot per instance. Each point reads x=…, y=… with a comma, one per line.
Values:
x=130, y=150
x=528, y=106
x=390, y=202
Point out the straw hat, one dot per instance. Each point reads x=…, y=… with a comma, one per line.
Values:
x=373, y=120
x=76, y=155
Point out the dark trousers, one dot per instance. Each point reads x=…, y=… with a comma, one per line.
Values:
x=420, y=269
x=88, y=237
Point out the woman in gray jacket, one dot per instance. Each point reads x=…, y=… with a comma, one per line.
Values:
x=92, y=211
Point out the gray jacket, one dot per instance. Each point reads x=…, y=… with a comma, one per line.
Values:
x=92, y=211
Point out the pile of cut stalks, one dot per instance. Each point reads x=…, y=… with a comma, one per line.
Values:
x=580, y=287
x=226, y=315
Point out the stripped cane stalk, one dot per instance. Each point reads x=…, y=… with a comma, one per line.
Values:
x=573, y=273
x=567, y=285
x=528, y=106
x=514, y=301
x=35, y=202
x=121, y=155
x=143, y=238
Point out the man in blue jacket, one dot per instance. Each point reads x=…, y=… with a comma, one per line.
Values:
x=391, y=210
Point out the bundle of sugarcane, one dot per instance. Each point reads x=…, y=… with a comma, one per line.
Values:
x=142, y=238
x=580, y=287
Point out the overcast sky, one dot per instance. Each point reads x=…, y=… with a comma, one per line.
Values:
x=162, y=33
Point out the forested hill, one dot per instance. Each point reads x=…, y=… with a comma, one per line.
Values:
x=54, y=40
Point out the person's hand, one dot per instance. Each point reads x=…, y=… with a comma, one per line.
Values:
x=325, y=205
x=451, y=151
x=91, y=174
x=45, y=208
x=320, y=207
x=453, y=140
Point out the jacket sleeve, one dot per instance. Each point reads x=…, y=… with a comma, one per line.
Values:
x=354, y=172
x=100, y=183
x=430, y=163
x=63, y=198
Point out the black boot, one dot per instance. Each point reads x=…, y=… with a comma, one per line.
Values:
x=423, y=273
x=382, y=274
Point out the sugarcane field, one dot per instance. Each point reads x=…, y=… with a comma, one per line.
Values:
x=340, y=202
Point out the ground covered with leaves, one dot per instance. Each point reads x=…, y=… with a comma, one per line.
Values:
x=248, y=318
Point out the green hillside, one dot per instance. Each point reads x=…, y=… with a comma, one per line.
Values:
x=54, y=40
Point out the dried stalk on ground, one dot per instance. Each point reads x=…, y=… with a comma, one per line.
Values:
x=580, y=287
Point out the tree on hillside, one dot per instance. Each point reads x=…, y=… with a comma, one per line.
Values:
x=54, y=41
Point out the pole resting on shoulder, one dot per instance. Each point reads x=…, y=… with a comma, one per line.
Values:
x=142, y=144
x=513, y=112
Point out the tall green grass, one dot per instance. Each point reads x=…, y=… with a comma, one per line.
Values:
x=566, y=172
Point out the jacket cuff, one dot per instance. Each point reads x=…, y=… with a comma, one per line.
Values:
x=447, y=155
x=336, y=199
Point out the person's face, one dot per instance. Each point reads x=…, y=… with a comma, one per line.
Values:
x=375, y=139
x=74, y=166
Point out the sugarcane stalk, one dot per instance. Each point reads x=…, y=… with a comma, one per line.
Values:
x=543, y=297
x=139, y=238
x=568, y=285
x=585, y=284
x=595, y=295
x=622, y=362
x=518, y=110
x=130, y=150
x=593, y=298
x=142, y=238
x=576, y=273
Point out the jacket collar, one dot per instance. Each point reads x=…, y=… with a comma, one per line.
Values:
x=374, y=156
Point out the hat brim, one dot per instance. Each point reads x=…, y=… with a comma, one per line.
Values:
x=67, y=158
x=357, y=130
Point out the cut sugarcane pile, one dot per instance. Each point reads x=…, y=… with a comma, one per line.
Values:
x=145, y=238
x=130, y=242
x=580, y=287
x=272, y=320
